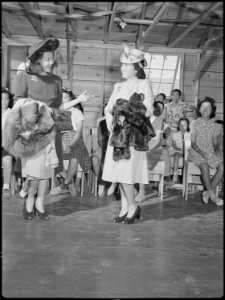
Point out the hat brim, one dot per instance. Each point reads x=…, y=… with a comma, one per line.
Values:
x=46, y=45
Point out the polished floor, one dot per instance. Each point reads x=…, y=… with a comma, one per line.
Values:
x=174, y=251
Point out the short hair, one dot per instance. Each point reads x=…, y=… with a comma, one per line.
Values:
x=213, y=105
x=162, y=94
x=178, y=91
x=69, y=92
x=157, y=110
x=140, y=70
x=6, y=91
x=184, y=119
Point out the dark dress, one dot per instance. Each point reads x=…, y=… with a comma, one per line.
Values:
x=47, y=89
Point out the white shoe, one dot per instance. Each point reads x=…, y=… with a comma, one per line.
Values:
x=101, y=190
x=72, y=189
x=139, y=198
x=111, y=189
x=59, y=190
x=218, y=201
x=205, y=197
x=24, y=192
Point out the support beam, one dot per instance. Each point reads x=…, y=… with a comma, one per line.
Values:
x=205, y=48
x=140, y=27
x=179, y=15
x=73, y=22
x=155, y=20
x=34, y=20
x=109, y=22
x=5, y=28
x=207, y=33
x=212, y=7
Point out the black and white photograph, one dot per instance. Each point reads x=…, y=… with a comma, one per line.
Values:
x=112, y=150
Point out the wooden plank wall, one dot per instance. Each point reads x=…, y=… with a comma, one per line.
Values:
x=210, y=80
x=93, y=69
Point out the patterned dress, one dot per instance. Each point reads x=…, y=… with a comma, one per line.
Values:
x=174, y=111
x=78, y=150
x=205, y=130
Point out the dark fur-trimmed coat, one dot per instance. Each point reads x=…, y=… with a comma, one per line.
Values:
x=31, y=126
x=136, y=129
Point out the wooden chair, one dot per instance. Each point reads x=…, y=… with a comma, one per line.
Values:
x=192, y=173
x=157, y=174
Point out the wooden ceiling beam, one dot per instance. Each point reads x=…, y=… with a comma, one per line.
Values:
x=35, y=21
x=5, y=28
x=207, y=33
x=155, y=20
x=109, y=22
x=204, y=49
x=179, y=15
x=211, y=7
x=73, y=22
x=140, y=27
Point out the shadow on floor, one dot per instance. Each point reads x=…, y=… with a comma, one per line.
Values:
x=177, y=208
x=69, y=205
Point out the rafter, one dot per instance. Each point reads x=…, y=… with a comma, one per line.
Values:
x=5, y=28
x=140, y=27
x=179, y=15
x=109, y=22
x=212, y=7
x=204, y=49
x=155, y=20
x=207, y=33
x=35, y=21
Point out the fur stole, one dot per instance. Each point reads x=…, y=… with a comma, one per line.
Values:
x=136, y=129
x=31, y=125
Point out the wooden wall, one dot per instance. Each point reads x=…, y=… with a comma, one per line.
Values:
x=96, y=68
x=210, y=81
x=93, y=69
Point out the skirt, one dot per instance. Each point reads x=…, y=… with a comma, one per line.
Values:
x=129, y=171
x=35, y=167
x=79, y=151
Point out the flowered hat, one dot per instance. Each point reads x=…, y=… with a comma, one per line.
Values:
x=131, y=56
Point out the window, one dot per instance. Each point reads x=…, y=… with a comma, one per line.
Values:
x=16, y=55
x=164, y=72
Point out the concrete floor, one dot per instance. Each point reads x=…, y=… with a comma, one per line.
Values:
x=174, y=251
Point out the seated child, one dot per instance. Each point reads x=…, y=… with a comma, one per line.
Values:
x=178, y=138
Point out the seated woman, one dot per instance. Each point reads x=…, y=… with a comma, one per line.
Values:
x=7, y=159
x=156, y=151
x=204, y=151
x=73, y=145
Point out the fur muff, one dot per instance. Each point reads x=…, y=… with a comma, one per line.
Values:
x=136, y=129
x=28, y=129
x=62, y=119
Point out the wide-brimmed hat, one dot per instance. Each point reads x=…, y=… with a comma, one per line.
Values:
x=46, y=45
x=131, y=56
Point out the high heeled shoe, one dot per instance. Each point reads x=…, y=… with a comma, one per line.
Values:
x=136, y=215
x=43, y=216
x=119, y=219
x=28, y=215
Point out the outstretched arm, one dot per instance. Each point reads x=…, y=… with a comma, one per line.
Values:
x=83, y=97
